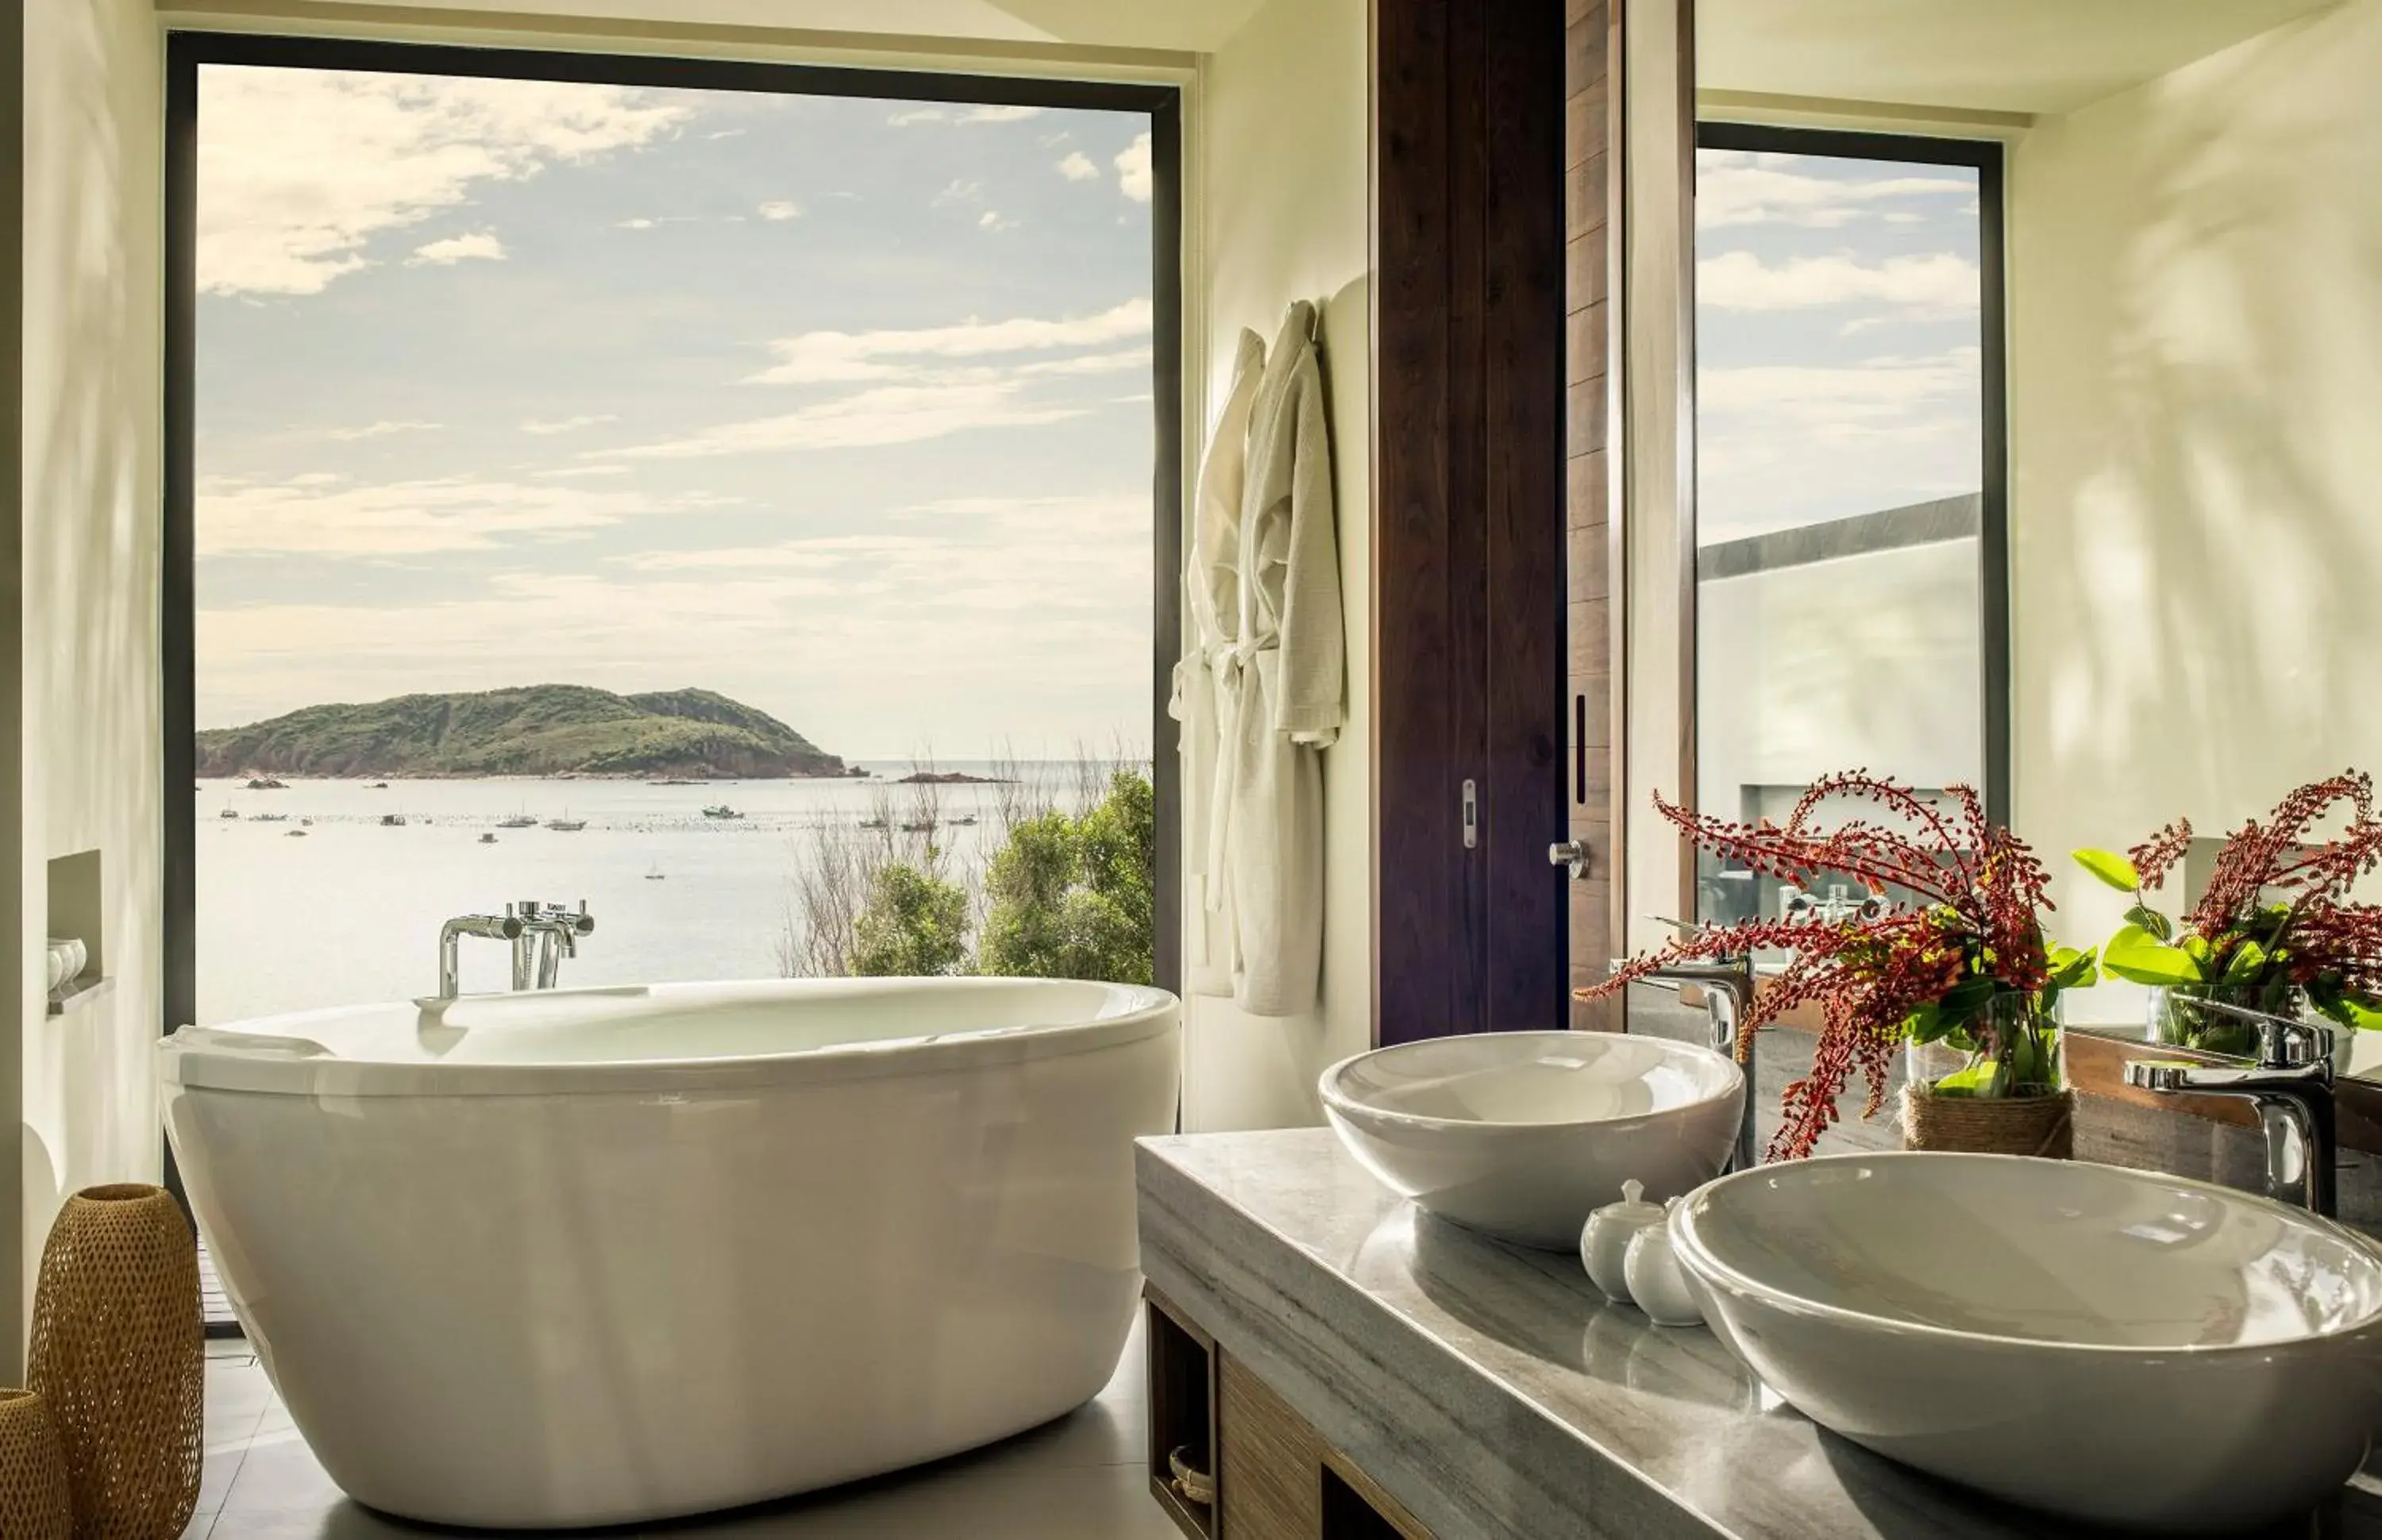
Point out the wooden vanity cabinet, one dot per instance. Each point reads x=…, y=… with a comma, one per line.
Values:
x=1268, y=1474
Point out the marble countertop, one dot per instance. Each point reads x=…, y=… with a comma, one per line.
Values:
x=1495, y=1392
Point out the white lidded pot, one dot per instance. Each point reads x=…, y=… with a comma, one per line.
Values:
x=1604, y=1239
x=1658, y=1285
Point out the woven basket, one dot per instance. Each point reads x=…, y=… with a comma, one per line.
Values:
x=119, y=1354
x=33, y=1503
x=1990, y=1125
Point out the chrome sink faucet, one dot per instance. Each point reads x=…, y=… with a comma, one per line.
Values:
x=1728, y=994
x=495, y=927
x=548, y=934
x=2291, y=1087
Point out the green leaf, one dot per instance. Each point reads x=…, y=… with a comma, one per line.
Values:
x=2195, y=946
x=2071, y=968
x=2357, y=1012
x=2152, y=920
x=1977, y=1080
x=1926, y=1024
x=1967, y=997
x=2138, y=956
x=2111, y=868
x=2247, y=962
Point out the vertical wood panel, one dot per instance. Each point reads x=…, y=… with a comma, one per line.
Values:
x=1270, y=1463
x=1470, y=426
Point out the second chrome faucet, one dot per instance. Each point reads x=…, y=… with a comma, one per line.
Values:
x=1728, y=993
x=2290, y=1085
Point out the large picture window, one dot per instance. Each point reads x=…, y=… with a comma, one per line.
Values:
x=1850, y=567
x=739, y=498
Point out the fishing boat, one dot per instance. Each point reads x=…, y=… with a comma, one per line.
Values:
x=518, y=821
x=487, y=839
x=655, y=875
x=866, y=823
x=266, y=783
x=293, y=834
x=566, y=826
x=924, y=826
x=229, y=812
x=377, y=785
x=964, y=821
x=392, y=820
x=721, y=809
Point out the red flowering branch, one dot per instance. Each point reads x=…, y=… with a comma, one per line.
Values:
x=1980, y=892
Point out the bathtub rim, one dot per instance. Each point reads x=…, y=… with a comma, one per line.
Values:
x=207, y=1058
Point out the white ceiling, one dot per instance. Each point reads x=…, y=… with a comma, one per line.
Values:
x=2001, y=55
x=1195, y=26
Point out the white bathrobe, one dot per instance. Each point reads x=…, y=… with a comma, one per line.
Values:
x=1211, y=580
x=1280, y=686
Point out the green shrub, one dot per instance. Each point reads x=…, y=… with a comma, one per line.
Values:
x=1074, y=898
x=913, y=924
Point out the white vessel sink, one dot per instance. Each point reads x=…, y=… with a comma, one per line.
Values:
x=1519, y=1134
x=2107, y=1344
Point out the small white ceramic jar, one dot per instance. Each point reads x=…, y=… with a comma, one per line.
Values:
x=1604, y=1239
x=1658, y=1285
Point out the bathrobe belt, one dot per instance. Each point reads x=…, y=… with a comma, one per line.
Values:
x=1226, y=662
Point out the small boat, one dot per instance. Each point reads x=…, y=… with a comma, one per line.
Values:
x=925, y=826
x=392, y=820
x=377, y=785
x=866, y=823
x=964, y=821
x=487, y=839
x=229, y=812
x=272, y=818
x=655, y=875
x=293, y=834
x=721, y=809
x=518, y=821
x=308, y=822
x=266, y=783
x=674, y=782
x=566, y=826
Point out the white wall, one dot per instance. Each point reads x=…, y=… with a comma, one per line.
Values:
x=2196, y=511
x=1282, y=184
x=93, y=85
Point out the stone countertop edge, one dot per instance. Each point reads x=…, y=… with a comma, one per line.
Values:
x=1491, y=1388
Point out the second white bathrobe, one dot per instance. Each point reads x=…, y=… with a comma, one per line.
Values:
x=1280, y=690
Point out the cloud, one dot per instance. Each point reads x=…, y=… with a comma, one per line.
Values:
x=1133, y=178
x=1079, y=167
x=304, y=516
x=380, y=430
x=1840, y=394
x=640, y=223
x=821, y=553
x=872, y=418
x=960, y=191
x=990, y=220
x=781, y=209
x=988, y=114
x=582, y=471
x=300, y=169
x=1734, y=188
x=1937, y=285
x=1090, y=363
x=479, y=246
x=566, y=424
x=816, y=358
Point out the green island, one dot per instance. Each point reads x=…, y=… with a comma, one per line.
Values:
x=546, y=729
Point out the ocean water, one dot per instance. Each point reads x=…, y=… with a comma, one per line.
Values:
x=349, y=913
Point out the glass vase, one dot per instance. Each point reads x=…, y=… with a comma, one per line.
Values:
x=1998, y=1087
x=2176, y=1017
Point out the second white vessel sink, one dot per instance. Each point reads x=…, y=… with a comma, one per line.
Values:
x=1519, y=1134
x=2113, y=1345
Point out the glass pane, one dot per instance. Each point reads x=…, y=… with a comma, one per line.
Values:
x=1840, y=457
x=755, y=447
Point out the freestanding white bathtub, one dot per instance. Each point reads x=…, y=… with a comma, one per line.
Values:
x=604, y=1255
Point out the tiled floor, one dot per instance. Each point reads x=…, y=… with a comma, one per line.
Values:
x=1079, y=1478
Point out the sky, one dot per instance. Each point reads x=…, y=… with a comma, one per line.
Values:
x=840, y=407
x=1836, y=330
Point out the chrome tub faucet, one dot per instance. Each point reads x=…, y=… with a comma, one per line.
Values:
x=2291, y=1087
x=541, y=935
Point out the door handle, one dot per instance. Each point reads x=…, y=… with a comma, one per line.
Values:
x=1571, y=855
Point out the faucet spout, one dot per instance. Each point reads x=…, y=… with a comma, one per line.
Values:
x=1728, y=988
x=2291, y=1086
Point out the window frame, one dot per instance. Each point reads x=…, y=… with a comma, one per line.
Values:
x=189, y=50
x=1985, y=158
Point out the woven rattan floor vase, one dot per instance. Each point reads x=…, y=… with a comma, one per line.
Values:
x=33, y=1503
x=119, y=1354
